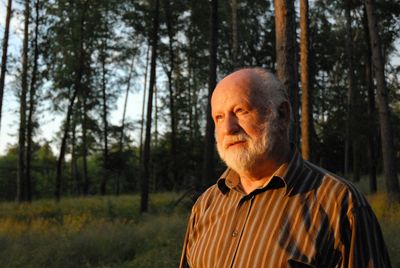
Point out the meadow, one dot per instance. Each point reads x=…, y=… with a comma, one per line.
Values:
x=110, y=232
x=92, y=232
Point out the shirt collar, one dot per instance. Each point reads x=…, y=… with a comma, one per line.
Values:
x=286, y=173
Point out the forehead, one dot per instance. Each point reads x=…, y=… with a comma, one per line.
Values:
x=234, y=89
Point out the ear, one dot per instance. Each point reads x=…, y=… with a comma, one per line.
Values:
x=284, y=112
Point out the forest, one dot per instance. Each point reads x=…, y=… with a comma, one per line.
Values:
x=116, y=192
x=78, y=58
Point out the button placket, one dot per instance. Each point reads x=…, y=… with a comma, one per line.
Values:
x=243, y=211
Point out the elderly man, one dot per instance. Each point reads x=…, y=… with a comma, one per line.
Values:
x=271, y=208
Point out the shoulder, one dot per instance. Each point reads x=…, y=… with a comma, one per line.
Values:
x=206, y=199
x=336, y=189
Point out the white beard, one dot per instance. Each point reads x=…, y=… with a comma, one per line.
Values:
x=245, y=159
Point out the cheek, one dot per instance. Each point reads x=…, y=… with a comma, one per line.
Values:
x=252, y=130
x=218, y=137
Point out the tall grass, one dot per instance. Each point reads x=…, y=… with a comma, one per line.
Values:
x=388, y=214
x=91, y=232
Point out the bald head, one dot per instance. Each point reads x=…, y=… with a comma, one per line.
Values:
x=264, y=89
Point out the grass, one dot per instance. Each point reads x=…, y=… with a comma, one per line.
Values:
x=110, y=232
x=92, y=232
x=388, y=215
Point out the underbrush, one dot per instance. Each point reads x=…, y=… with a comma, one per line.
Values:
x=388, y=215
x=91, y=232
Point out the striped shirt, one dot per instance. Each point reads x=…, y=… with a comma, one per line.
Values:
x=303, y=217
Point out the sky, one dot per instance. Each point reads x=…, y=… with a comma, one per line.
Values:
x=50, y=123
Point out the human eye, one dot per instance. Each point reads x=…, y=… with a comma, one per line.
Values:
x=240, y=111
x=218, y=118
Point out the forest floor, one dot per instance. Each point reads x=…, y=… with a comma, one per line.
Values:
x=110, y=231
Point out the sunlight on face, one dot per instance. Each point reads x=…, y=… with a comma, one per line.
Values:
x=244, y=156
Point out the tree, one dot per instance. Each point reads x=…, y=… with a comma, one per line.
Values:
x=4, y=55
x=388, y=154
x=286, y=63
x=32, y=101
x=208, y=160
x=349, y=138
x=373, y=187
x=171, y=37
x=103, y=59
x=21, y=190
x=235, y=43
x=306, y=108
x=75, y=87
x=146, y=149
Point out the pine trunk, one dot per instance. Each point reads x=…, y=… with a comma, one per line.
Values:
x=103, y=184
x=176, y=180
x=373, y=187
x=235, y=43
x=74, y=164
x=142, y=121
x=286, y=63
x=60, y=161
x=85, y=175
x=306, y=110
x=144, y=197
x=389, y=159
x=208, y=172
x=349, y=134
x=21, y=188
x=32, y=100
x=4, y=55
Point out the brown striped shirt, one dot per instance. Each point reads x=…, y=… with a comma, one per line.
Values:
x=303, y=217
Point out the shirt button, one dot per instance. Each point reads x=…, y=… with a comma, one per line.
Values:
x=235, y=233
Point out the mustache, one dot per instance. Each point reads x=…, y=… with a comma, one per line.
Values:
x=229, y=140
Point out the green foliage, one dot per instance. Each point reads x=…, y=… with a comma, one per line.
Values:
x=122, y=168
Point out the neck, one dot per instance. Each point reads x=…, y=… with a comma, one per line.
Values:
x=262, y=171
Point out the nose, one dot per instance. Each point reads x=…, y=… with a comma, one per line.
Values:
x=230, y=125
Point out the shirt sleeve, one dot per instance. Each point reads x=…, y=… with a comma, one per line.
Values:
x=363, y=240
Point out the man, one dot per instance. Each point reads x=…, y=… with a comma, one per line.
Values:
x=271, y=208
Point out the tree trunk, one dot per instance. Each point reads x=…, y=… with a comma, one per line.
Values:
x=21, y=190
x=286, y=64
x=60, y=161
x=176, y=180
x=373, y=187
x=208, y=172
x=144, y=197
x=349, y=134
x=306, y=108
x=235, y=43
x=85, y=175
x=128, y=88
x=153, y=161
x=4, y=55
x=74, y=165
x=103, y=184
x=389, y=159
x=143, y=106
x=32, y=100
